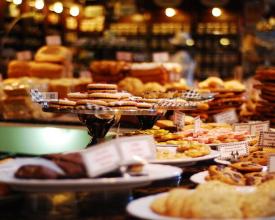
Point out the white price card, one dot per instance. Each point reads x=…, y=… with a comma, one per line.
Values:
x=49, y=96
x=101, y=159
x=267, y=139
x=179, y=119
x=197, y=124
x=271, y=163
x=229, y=117
x=241, y=127
x=24, y=55
x=124, y=56
x=161, y=57
x=136, y=149
x=232, y=150
x=259, y=126
x=53, y=40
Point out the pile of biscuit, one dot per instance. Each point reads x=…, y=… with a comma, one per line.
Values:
x=99, y=96
x=265, y=106
x=216, y=200
x=247, y=171
x=228, y=95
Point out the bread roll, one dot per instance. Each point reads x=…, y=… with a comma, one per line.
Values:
x=18, y=68
x=53, y=53
x=46, y=70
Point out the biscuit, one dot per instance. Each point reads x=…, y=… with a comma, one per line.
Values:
x=101, y=86
x=144, y=105
x=66, y=102
x=101, y=91
x=246, y=166
x=258, y=157
x=159, y=205
x=99, y=95
x=254, y=178
x=77, y=95
x=122, y=103
x=91, y=101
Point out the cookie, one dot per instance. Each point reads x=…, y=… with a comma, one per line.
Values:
x=258, y=157
x=91, y=101
x=254, y=178
x=144, y=105
x=77, y=95
x=159, y=205
x=246, y=166
x=101, y=95
x=101, y=86
x=102, y=91
x=122, y=103
x=66, y=102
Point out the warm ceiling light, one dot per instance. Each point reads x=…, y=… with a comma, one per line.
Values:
x=170, y=12
x=74, y=11
x=190, y=42
x=216, y=12
x=224, y=41
x=17, y=2
x=58, y=7
x=39, y=4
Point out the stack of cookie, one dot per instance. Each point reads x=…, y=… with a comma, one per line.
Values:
x=265, y=106
x=101, y=96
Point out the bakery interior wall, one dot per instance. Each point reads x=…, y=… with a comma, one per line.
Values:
x=102, y=28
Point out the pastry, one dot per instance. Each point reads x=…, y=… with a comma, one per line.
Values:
x=18, y=68
x=77, y=95
x=247, y=166
x=101, y=86
x=144, y=105
x=254, y=178
x=36, y=172
x=106, y=96
x=53, y=54
x=258, y=157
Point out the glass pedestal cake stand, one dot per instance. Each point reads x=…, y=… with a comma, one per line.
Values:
x=99, y=121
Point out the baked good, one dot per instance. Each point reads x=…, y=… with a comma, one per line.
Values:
x=47, y=70
x=101, y=86
x=105, y=96
x=36, y=172
x=159, y=205
x=212, y=83
x=247, y=166
x=144, y=105
x=66, y=102
x=132, y=85
x=91, y=101
x=18, y=68
x=254, y=178
x=77, y=95
x=258, y=157
x=53, y=54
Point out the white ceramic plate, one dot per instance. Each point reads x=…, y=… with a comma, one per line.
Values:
x=140, y=208
x=185, y=161
x=154, y=171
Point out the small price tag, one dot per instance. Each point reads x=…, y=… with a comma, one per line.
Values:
x=267, y=139
x=136, y=149
x=24, y=55
x=232, y=150
x=140, y=57
x=179, y=119
x=257, y=127
x=229, y=117
x=101, y=159
x=161, y=57
x=197, y=124
x=271, y=163
x=124, y=56
x=53, y=40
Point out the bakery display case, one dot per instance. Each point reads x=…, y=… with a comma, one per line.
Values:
x=129, y=109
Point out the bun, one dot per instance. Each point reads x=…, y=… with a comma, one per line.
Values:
x=54, y=54
x=18, y=68
x=47, y=70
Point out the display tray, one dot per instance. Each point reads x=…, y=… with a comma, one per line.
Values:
x=97, y=184
x=186, y=161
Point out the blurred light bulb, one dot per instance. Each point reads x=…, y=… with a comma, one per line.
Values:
x=74, y=11
x=190, y=42
x=224, y=41
x=216, y=12
x=39, y=4
x=170, y=12
x=58, y=7
x=17, y=2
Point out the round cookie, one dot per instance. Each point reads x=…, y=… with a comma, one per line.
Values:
x=77, y=95
x=66, y=102
x=101, y=95
x=246, y=166
x=123, y=103
x=144, y=105
x=102, y=86
x=90, y=101
x=102, y=91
